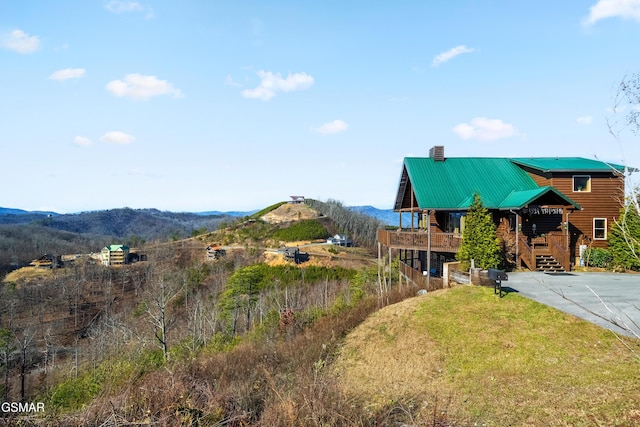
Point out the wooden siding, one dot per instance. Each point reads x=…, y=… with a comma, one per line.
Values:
x=605, y=200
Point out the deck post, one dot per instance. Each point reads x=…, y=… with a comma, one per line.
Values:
x=428, y=249
x=517, y=240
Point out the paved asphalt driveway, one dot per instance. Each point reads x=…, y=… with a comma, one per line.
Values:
x=605, y=299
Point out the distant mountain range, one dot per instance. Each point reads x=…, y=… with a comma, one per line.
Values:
x=229, y=213
x=126, y=221
x=9, y=211
x=388, y=216
x=121, y=223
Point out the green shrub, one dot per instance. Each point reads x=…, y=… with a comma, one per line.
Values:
x=74, y=393
x=256, y=278
x=140, y=309
x=479, y=240
x=266, y=210
x=624, y=239
x=309, y=229
x=598, y=257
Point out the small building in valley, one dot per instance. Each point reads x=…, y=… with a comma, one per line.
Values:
x=215, y=252
x=47, y=261
x=340, y=240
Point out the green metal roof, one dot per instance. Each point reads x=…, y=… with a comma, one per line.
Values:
x=567, y=164
x=452, y=183
x=114, y=248
x=523, y=198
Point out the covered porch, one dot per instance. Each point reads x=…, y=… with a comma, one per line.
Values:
x=534, y=252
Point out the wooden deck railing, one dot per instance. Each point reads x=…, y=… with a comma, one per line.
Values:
x=558, y=249
x=420, y=279
x=450, y=242
x=526, y=254
x=419, y=240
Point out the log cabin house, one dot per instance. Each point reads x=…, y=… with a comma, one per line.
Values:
x=549, y=209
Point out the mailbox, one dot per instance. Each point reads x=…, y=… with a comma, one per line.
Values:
x=495, y=274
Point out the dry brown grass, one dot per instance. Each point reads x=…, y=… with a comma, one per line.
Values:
x=382, y=362
x=28, y=274
x=354, y=258
x=498, y=362
x=290, y=212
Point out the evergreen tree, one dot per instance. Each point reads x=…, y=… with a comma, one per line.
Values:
x=624, y=239
x=479, y=240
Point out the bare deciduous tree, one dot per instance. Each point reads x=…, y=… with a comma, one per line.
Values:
x=625, y=116
x=162, y=294
x=24, y=340
x=6, y=349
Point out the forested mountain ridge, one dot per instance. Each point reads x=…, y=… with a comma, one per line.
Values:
x=148, y=224
x=11, y=211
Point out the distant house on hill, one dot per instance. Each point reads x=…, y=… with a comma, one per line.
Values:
x=340, y=240
x=47, y=261
x=215, y=252
x=296, y=200
x=550, y=208
x=115, y=255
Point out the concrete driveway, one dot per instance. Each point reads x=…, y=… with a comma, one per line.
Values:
x=607, y=299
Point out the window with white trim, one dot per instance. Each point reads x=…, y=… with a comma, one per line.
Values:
x=600, y=228
x=581, y=183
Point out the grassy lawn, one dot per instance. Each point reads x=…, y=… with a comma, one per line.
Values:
x=498, y=362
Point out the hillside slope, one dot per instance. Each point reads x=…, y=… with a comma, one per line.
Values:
x=491, y=361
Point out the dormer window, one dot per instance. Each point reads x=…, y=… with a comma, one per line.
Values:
x=581, y=183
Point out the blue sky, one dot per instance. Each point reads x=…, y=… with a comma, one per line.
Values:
x=235, y=105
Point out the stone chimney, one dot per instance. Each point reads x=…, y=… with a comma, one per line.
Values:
x=437, y=153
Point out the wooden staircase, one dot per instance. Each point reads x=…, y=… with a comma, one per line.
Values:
x=547, y=263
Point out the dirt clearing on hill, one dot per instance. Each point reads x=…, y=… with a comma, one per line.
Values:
x=290, y=212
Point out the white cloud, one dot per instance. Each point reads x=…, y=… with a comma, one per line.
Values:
x=450, y=54
x=116, y=137
x=68, y=73
x=137, y=86
x=82, y=141
x=627, y=9
x=230, y=82
x=271, y=84
x=335, y=126
x=584, y=120
x=484, y=129
x=21, y=42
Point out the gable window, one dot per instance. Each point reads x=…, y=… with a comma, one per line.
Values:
x=581, y=183
x=600, y=228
